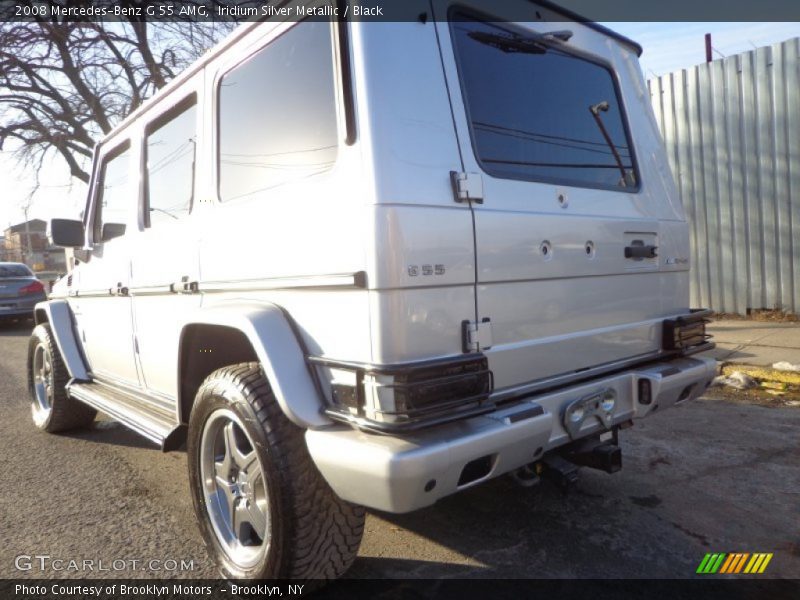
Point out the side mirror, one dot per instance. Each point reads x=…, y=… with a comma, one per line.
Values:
x=67, y=233
x=112, y=230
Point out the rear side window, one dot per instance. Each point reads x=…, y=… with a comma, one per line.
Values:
x=539, y=113
x=170, y=147
x=277, y=114
x=116, y=195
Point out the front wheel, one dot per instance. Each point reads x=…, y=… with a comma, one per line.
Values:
x=263, y=508
x=52, y=408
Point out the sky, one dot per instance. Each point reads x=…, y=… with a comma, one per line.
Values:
x=667, y=47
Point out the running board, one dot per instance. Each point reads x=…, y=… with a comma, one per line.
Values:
x=135, y=412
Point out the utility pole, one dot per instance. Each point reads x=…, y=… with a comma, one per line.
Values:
x=709, y=58
x=28, y=250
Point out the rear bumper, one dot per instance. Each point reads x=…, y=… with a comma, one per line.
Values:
x=20, y=307
x=401, y=474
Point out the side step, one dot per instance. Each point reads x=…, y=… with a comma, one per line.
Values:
x=154, y=423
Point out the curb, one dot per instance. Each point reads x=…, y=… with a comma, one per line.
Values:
x=763, y=373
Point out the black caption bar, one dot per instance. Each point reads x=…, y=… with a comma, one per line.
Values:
x=407, y=589
x=396, y=10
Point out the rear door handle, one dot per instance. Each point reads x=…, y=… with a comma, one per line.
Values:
x=640, y=251
x=184, y=286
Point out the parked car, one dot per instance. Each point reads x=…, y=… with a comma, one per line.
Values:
x=371, y=265
x=20, y=291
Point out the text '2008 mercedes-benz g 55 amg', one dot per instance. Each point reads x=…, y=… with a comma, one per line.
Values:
x=364, y=264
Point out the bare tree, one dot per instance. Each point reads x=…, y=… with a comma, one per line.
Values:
x=65, y=84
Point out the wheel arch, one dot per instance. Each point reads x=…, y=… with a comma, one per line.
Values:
x=59, y=315
x=241, y=332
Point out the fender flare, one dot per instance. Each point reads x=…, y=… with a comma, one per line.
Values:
x=279, y=349
x=59, y=315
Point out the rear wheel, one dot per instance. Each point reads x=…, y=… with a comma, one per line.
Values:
x=53, y=410
x=263, y=508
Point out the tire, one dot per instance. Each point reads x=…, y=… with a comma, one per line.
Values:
x=52, y=409
x=263, y=508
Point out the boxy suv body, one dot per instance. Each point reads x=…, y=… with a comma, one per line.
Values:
x=373, y=264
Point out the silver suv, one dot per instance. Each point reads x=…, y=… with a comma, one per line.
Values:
x=373, y=264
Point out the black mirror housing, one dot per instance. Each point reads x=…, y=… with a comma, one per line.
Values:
x=111, y=231
x=67, y=233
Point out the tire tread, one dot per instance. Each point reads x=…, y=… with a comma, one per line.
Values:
x=324, y=531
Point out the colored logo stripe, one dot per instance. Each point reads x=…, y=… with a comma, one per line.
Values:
x=734, y=563
x=710, y=563
x=758, y=563
x=729, y=562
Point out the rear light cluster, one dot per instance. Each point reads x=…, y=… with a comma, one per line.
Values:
x=35, y=287
x=687, y=334
x=407, y=396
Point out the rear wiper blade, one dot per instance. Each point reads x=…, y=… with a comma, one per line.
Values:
x=530, y=44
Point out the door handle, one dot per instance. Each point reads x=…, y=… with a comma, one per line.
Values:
x=120, y=290
x=184, y=286
x=640, y=251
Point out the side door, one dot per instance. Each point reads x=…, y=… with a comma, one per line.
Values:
x=574, y=216
x=164, y=270
x=101, y=301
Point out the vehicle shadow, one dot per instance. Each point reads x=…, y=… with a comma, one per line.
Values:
x=499, y=530
x=21, y=328
x=107, y=431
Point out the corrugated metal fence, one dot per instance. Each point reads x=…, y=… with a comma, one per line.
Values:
x=732, y=133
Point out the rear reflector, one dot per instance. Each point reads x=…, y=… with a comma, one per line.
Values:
x=645, y=392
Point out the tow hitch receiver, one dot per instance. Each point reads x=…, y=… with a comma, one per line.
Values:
x=605, y=457
x=560, y=471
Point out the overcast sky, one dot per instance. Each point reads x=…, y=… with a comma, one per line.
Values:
x=667, y=47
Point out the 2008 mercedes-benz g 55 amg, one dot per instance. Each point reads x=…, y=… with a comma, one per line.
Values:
x=362, y=264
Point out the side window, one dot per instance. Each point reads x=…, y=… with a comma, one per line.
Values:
x=117, y=193
x=170, y=146
x=277, y=114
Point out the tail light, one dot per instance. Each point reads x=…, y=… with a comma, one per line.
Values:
x=35, y=287
x=407, y=396
x=687, y=334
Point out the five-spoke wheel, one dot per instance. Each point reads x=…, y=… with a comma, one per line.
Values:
x=52, y=408
x=235, y=488
x=43, y=384
x=264, y=510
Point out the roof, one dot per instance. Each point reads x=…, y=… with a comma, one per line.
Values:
x=247, y=27
x=33, y=225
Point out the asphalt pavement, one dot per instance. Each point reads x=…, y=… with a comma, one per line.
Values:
x=709, y=476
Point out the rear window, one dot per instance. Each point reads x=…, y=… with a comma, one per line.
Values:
x=539, y=113
x=14, y=271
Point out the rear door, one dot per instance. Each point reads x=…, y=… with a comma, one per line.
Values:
x=569, y=235
x=165, y=268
